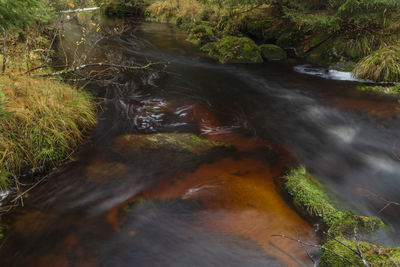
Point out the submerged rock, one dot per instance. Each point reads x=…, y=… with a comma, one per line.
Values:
x=272, y=52
x=173, y=142
x=232, y=49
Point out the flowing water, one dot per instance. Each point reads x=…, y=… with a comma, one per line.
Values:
x=115, y=205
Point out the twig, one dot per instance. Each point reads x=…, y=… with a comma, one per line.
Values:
x=388, y=202
x=306, y=250
x=359, y=249
x=343, y=244
x=287, y=254
x=317, y=246
x=29, y=189
x=101, y=64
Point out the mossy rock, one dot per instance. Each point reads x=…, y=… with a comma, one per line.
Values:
x=308, y=194
x=349, y=222
x=272, y=52
x=201, y=35
x=374, y=254
x=232, y=49
x=174, y=142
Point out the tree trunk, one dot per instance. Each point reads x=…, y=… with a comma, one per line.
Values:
x=4, y=50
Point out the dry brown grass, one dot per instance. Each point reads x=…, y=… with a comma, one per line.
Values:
x=48, y=121
x=188, y=10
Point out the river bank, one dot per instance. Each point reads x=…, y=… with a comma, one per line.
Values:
x=274, y=32
x=184, y=163
x=42, y=120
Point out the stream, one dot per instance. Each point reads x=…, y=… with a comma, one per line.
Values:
x=115, y=205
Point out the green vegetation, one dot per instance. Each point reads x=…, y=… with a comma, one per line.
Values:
x=272, y=52
x=46, y=121
x=330, y=33
x=381, y=89
x=232, y=49
x=176, y=142
x=41, y=121
x=308, y=194
x=381, y=66
x=374, y=254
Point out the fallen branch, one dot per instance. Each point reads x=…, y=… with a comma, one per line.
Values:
x=359, y=249
x=287, y=254
x=101, y=64
x=367, y=193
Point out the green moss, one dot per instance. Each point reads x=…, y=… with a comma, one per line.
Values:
x=232, y=49
x=201, y=34
x=308, y=194
x=381, y=90
x=177, y=142
x=348, y=222
x=272, y=52
x=374, y=254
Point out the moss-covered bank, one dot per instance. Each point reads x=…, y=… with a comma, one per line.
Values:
x=343, y=226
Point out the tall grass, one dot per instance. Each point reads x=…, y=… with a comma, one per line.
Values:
x=48, y=121
x=382, y=65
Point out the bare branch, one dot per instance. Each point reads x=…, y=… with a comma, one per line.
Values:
x=101, y=64
x=317, y=246
x=359, y=249
x=287, y=254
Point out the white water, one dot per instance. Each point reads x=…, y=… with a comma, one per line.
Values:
x=80, y=10
x=326, y=73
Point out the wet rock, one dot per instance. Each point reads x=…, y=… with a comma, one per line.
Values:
x=272, y=52
x=232, y=49
x=174, y=142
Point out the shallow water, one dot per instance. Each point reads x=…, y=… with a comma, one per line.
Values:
x=113, y=206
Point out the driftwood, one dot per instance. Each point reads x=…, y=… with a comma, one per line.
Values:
x=101, y=64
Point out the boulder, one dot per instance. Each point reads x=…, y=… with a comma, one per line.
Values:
x=232, y=49
x=272, y=52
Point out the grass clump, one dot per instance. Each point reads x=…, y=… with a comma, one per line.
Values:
x=46, y=120
x=380, y=66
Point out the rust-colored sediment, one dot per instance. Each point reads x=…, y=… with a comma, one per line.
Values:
x=239, y=197
x=384, y=110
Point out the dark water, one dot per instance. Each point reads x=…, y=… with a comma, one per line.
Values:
x=110, y=208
